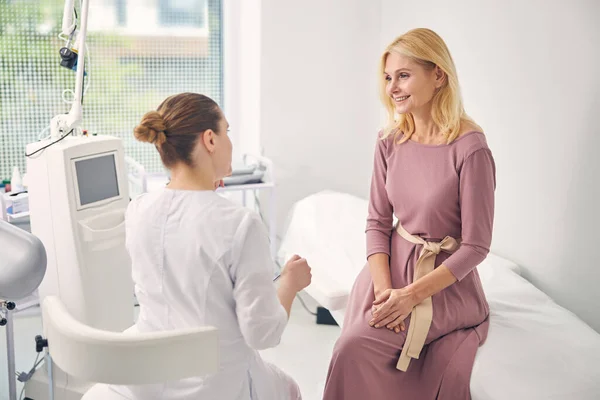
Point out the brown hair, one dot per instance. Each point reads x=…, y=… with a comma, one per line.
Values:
x=176, y=125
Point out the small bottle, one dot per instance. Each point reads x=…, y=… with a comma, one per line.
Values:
x=2, y=187
x=6, y=185
x=16, y=182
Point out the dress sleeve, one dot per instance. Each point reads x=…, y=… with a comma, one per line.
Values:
x=477, y=186
x=380, y=216
x=261, y=316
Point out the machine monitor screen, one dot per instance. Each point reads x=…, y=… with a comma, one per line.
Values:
x=97, y=179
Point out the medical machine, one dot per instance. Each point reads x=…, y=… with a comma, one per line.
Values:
x=78, y=195
x=78, y=198
x=77, y=201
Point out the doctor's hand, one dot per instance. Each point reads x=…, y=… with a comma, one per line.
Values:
x=219, y=183
x=391, y=308
x=296, y=274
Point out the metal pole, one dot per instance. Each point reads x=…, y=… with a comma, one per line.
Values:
x=50, y=377
x=10, y=353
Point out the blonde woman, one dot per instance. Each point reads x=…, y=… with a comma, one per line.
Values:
x=417, y=312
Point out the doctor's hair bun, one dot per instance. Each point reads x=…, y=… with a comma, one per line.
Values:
x=177, y=124
x=151, y=129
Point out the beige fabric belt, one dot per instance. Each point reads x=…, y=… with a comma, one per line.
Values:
x=422, y=313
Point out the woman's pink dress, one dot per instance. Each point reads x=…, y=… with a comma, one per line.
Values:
x=435, y=191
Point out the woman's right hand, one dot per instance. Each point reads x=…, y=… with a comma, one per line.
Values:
x=397, y=329
x=296, y=274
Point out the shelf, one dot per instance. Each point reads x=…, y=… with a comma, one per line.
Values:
x=249, y=186
x=18, y=216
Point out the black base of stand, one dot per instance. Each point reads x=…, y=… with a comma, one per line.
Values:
x=324, y=317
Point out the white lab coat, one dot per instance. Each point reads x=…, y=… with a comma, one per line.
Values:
x=198, y=259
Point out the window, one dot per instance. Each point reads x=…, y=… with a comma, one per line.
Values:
x=140, y=52
x=185, y=12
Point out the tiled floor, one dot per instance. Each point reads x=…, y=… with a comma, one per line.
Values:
x=304, y=352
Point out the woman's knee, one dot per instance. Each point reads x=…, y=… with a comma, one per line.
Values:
x=351, y=345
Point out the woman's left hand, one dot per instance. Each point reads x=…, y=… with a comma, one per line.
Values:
x=392, y=307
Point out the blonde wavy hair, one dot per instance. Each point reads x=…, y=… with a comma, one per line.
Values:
x=428, y=49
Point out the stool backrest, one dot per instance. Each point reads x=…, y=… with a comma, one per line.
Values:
x=129, y=357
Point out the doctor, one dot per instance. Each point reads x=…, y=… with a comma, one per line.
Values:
x=198, y=259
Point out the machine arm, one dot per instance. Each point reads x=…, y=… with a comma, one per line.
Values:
x=62, y=124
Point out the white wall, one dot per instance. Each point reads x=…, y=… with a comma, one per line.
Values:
x=530, y=76
x=319, y=105
x=241, y=75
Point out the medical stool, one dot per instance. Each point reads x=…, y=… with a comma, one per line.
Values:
x=128, y=358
